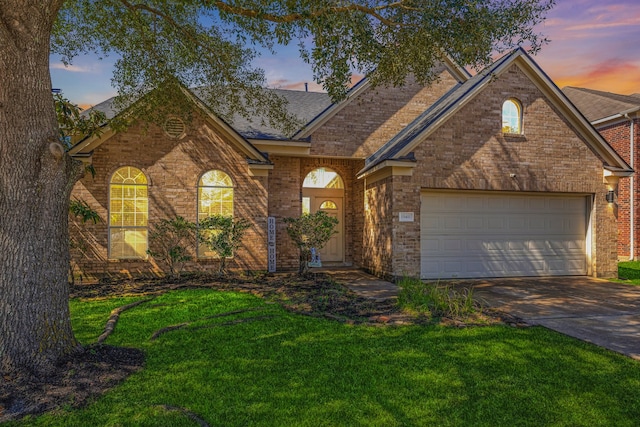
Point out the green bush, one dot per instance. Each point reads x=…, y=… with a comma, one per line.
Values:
x=223, y=235
x=169, y=240
x=434, y=299
x=310, y=231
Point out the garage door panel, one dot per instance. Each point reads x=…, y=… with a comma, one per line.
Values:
x=502, y=235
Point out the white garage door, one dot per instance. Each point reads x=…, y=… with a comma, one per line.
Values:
x=466, y=235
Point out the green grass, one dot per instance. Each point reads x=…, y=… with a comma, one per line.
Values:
x=436, y=299
x=629, y=272
x=294, y=370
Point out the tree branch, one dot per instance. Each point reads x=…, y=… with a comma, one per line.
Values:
x=375, y=12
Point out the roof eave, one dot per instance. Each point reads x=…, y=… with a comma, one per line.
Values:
x=595, y=141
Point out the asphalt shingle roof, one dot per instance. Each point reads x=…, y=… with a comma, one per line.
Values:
x=455, y=95
x=303, y=105
x=595, y=104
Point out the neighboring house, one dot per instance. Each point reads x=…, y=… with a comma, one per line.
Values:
x=617, y=118
x=495, y=175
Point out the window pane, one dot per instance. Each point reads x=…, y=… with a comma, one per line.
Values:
x=128, y=243
x=128, y=214
x=215, y=200
x=129, y=175
x=215, y=178
x=323, y=178
x=306, y=205
x=510, y=117
x=328, y=205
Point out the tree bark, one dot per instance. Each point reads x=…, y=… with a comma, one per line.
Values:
x=36, y=176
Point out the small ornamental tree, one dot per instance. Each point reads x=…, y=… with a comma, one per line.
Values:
x=310, y=231
x=223, y=235
x=169, y=240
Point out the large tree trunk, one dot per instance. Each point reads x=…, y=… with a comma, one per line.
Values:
x=36, y=177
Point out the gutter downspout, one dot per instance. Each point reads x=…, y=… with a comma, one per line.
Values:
x=631, y=189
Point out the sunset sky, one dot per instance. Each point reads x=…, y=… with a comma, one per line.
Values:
x=594, y=44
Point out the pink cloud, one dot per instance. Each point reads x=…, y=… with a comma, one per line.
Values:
x=618, y=76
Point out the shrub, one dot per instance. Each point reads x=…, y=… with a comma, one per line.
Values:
x=223, y=235
x=434, y=299
x=310, y=231
x=169, y=240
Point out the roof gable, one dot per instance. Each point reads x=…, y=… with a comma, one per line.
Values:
x=458, y=72
x=84, y=147
x=401, y=146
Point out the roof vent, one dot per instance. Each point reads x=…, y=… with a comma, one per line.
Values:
x=174, y=127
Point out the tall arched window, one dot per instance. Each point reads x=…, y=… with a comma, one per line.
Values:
x=511, y=116
x=215, y=197
x=128, y=214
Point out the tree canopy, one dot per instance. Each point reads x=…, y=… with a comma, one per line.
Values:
x=211, y=44
x=188, y=43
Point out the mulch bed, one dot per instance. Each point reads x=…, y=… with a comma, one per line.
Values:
x=95, y=369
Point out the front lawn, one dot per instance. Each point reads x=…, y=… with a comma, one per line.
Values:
x=262, y=365
x=629, y=272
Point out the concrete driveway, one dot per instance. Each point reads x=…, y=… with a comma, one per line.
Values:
x=601, y=312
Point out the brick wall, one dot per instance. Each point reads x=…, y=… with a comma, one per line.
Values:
x=470, y=152
x=173, y=168
x=285, y=188
x=618, y=136
x=378, y=228
x=375, y=116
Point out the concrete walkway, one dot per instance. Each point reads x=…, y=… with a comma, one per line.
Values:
x=593, y=310
x=364, y=284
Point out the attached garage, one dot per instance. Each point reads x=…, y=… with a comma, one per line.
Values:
x=466, y=234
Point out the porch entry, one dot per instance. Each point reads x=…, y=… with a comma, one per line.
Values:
x=323, y=190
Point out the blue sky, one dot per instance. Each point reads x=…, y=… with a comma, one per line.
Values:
x=594, y=44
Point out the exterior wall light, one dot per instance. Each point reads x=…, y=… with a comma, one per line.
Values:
x=610, y=196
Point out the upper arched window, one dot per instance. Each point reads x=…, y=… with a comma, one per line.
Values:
x=511, y=116
x=323, y=178
x=128, y=214
x=215, y=194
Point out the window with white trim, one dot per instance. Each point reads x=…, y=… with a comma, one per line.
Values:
x=215, y=197
x=512, y=116
x=128, y=214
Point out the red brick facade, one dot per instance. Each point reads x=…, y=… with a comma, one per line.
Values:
x=173, y=168
x=618, y=134
x=467, y=152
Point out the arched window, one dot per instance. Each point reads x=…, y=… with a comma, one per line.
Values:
x=215, y=197
x=320, y=178
x=328, y=205
x=215, y=194
x=511, y=116
x=323, y=178
x=128, y=214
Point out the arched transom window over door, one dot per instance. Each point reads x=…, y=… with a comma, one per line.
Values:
x=215, y=197
x=128, y=214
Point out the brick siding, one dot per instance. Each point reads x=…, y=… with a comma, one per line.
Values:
x=468, y=152
x=173, y=168
x=618, y=136
x=375, y=116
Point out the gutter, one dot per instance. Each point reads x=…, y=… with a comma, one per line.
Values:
x=631, y=189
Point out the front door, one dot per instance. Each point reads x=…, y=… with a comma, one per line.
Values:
x=333, y=250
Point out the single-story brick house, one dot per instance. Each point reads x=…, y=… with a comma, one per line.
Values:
x=492, y=175
x=617, y=118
